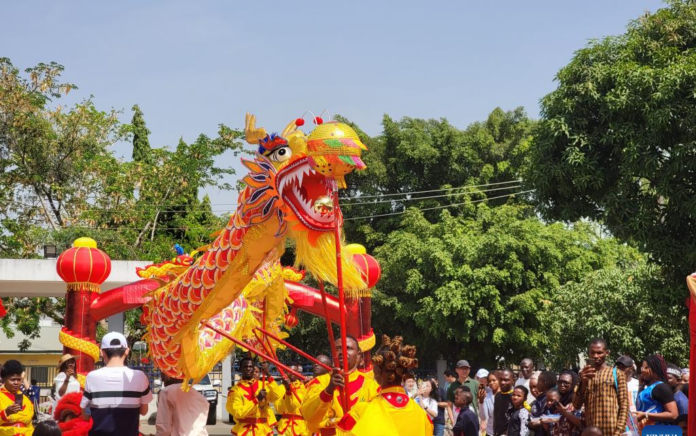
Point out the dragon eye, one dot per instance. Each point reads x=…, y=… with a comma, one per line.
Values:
x=281, y=155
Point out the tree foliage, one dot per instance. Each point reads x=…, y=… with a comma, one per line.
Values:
x=628, y=306
x=60, y=180
x=477, y=285
x=141, y=142
x=617, y=143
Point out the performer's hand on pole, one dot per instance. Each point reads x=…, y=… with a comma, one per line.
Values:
x=261, y=396
x=336, y=381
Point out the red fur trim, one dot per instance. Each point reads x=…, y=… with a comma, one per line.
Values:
x=69, y=402
x=76, y=427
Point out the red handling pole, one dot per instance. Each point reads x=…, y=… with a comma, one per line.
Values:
x=341, y=298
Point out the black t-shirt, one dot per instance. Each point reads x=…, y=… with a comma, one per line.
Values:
x=501, y=413
x=663, y=393
x=440, y=419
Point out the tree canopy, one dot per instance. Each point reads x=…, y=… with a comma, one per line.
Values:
x=616, y=142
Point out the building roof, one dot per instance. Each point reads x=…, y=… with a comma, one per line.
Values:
x=46, y=343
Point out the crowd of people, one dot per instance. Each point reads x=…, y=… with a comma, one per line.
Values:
x=601, y=399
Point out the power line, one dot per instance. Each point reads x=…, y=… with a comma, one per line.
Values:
x=438, y=207
x=428, y=191
x=432, y=196
x=154, y=206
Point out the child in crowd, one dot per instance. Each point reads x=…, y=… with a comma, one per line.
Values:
x=47, y=428
x=519, y=415
x=467, y=422
x=592, y=431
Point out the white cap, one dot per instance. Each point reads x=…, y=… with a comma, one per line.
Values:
x=481, y=373
x=110, y=337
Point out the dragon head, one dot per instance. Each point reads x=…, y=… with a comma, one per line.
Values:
x=296, y=178
x=306, y=172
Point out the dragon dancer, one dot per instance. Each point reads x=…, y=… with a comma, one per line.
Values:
x=291, y=421
x=248, y=402
x=322, y=407
x=392, y=412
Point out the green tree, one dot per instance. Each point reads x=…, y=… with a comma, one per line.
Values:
x=477, y=284
x=59, y=180
x=625, y=305
x=414, y=155
x=141, y=142
x=616, y=141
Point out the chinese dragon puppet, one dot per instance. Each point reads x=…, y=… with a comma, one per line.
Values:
x=237, y=283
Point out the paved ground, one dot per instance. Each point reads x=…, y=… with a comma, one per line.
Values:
x=219, y=429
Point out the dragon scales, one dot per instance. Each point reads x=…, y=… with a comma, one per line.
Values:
x=290, y=179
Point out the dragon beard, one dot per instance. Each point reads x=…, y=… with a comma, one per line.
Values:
x=319, y=258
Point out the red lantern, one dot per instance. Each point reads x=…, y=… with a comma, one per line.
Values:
x=369, y=268
x=291, y=320
x=84, y=265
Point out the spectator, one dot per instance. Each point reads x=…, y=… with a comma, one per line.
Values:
x=180, y=413
x=502, y=403
x=15, y=419
x=34, y=394
x=602, y=392
x=115, y=394
x=685, y=376
x=533, y=391
x=592, y=431
x=626, y=365
x=47, y=428
x=482, y=378
x=525, y=375
x=656, y=400
x=486, y=406
x=570, y=422
x=545, y=382
x=428, y=398
x=411, y=387
x=66, y=380
x=450, y=377
x=674, y=380
x=467, y=422
x=519, y=415
x=440, y=420
x=463, y=370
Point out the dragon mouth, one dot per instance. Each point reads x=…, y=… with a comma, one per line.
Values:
x=300, y=187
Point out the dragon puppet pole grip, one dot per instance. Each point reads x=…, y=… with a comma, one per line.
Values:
x=249, y=347
x=341, y=297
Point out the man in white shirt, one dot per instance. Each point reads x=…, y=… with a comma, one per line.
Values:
x=115, y=395
x=525, y=378
x=180, y=413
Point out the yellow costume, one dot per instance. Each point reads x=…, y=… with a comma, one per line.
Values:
x=251, y=417
x=322, y=411
x=392, y=413
x=291, y=422
x=17, y=423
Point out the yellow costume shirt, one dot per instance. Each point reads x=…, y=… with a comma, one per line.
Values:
x=251, y=417
x=322, y=411
x=392, y=413
x=17, y=423
x=291, y=422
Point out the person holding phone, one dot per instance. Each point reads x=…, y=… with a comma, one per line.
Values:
x=66, y=380
x=16, y=410
x=602, y=392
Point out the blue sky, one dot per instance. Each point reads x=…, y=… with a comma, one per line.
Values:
x=193, y=65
